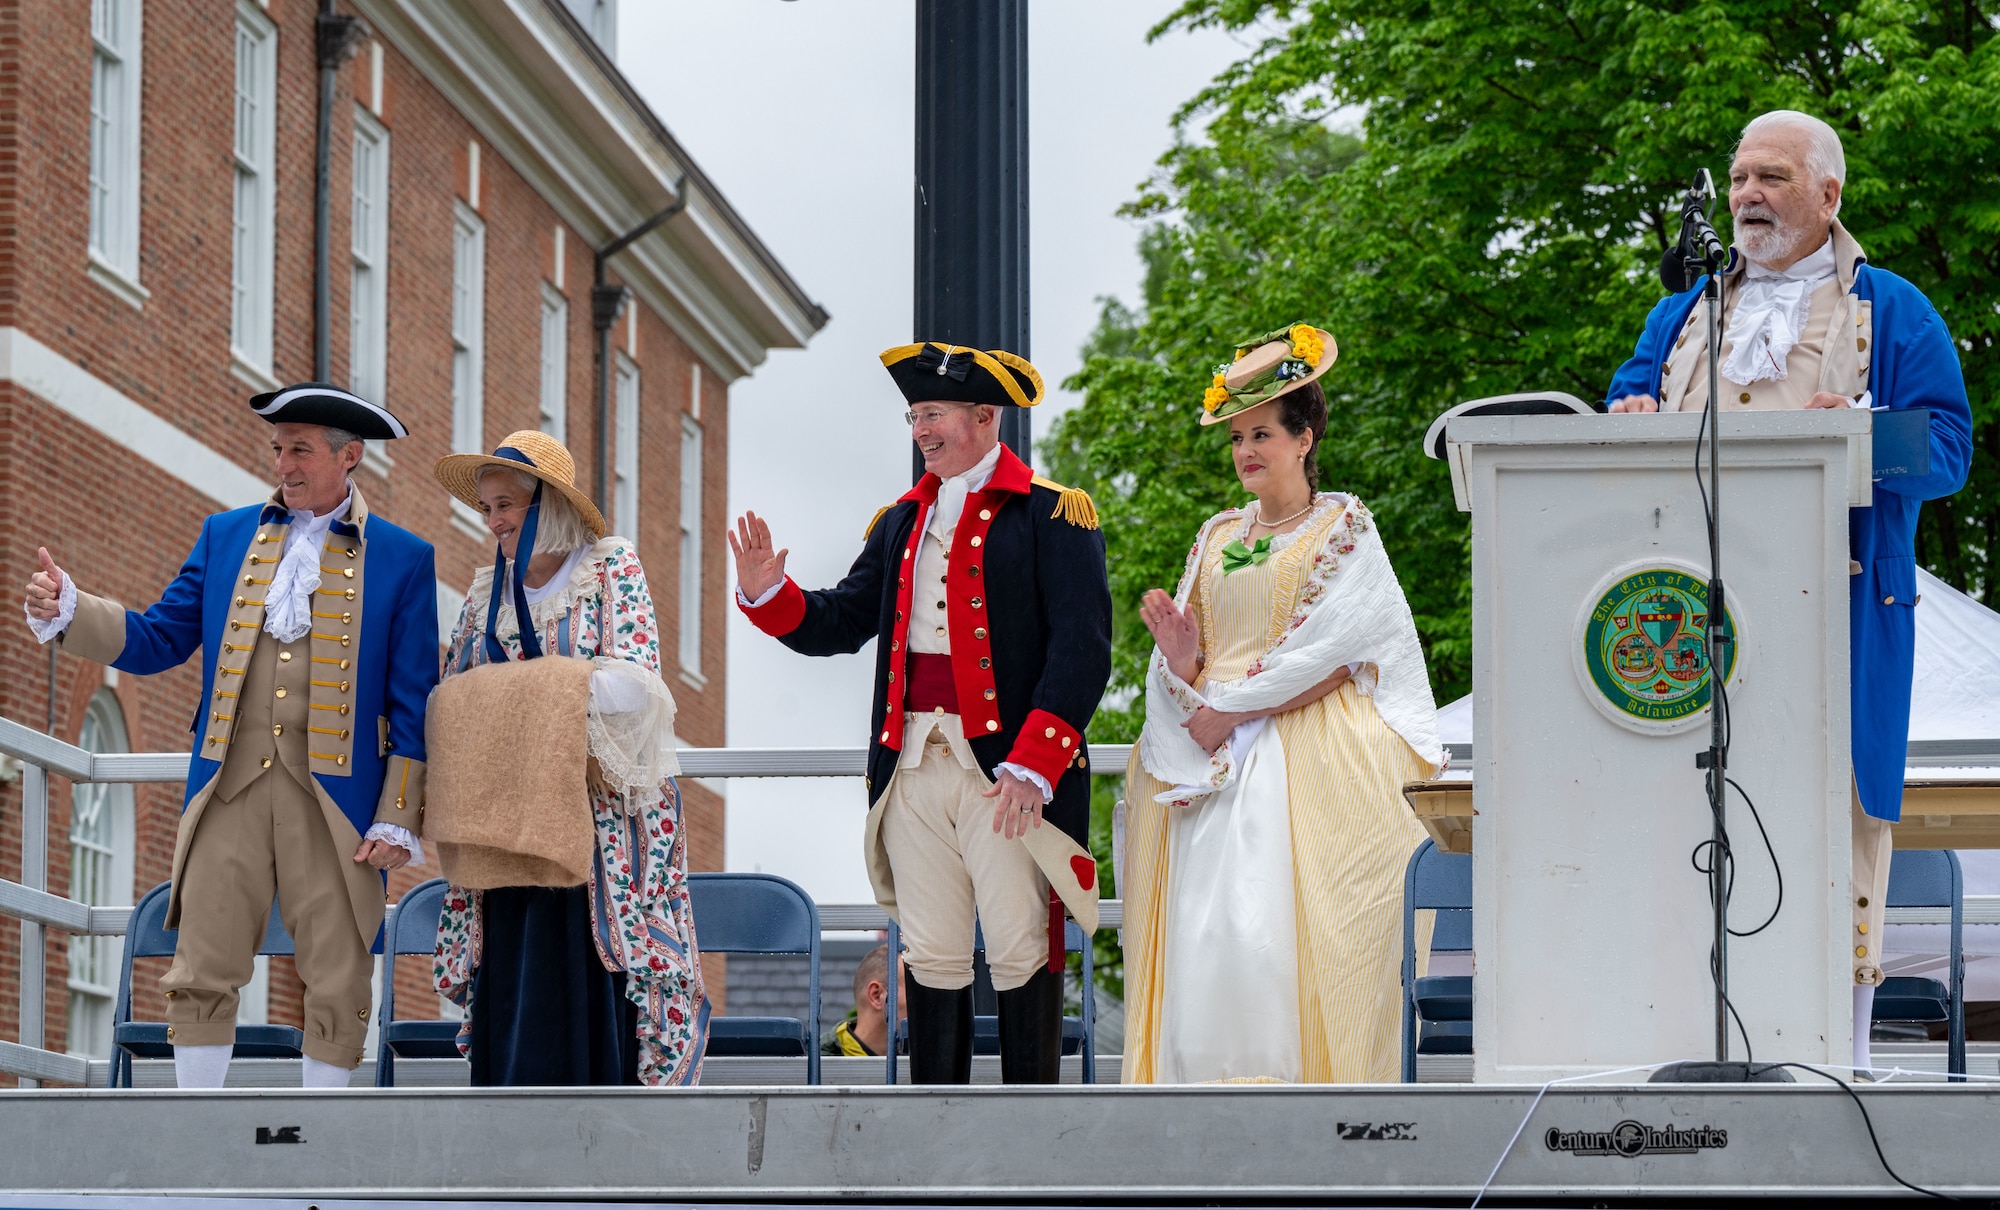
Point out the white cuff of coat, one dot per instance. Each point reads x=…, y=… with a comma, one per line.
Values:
x=400, y=837
x=765, y=599
x=65, y=613
x=1030, y=776
x=614, y=694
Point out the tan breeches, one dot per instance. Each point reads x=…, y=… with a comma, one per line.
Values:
x=269, y=839
x=1873, y=844
x=949, y=864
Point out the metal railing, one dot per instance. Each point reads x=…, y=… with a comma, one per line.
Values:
x=30, y=902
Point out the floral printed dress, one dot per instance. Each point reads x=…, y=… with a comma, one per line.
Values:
x=641, y=920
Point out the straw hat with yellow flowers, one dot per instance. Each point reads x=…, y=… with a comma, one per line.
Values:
x=531, y=453
x=1266, y=367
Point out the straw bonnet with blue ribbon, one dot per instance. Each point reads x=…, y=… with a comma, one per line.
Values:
x=544, y=459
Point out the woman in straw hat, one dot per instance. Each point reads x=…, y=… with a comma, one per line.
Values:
x=1286, y=706
x=600, y=983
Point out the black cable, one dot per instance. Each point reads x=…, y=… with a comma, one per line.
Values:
x=1776, y=870
x=1870, y=1124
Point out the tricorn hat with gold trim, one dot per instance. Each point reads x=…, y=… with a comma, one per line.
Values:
x=930, y=372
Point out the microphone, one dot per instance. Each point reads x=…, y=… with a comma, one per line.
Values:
x=1698, y=245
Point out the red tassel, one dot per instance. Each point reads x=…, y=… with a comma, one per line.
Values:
x=1056, y=950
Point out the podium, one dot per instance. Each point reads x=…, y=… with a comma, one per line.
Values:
x=1591, y=926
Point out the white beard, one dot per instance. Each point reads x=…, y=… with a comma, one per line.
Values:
x=1773, y=243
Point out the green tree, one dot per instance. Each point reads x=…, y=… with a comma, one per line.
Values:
x=1494, y=224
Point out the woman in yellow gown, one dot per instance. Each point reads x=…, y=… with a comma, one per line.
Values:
x=1286, y=706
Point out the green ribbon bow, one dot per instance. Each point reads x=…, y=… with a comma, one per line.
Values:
x=1236, y=556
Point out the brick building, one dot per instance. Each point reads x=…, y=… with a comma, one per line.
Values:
x=158, y=198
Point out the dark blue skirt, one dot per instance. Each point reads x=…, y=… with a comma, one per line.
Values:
x=544, y=1009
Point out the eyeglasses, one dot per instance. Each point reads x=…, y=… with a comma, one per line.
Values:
x=933, y=413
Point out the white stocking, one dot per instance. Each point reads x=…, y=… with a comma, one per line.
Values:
x=1864, y=1017
x=315, y=1074
x=201, y=1066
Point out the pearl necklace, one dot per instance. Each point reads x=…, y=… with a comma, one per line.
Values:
x=1283, y=520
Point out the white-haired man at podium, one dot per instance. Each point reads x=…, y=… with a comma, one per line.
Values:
x=1808, y=323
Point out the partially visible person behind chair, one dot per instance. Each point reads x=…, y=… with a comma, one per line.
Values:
x=593, y=979
x=867, y=1034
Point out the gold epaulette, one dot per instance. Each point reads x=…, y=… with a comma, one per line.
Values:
x=1074, y=504
x=872, y=521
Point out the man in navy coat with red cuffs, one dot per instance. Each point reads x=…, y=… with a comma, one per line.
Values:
x=984, y=588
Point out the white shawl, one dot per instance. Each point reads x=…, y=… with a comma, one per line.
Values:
x=1369, y=623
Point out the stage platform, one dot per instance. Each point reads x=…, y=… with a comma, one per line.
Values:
x=1231, y=1144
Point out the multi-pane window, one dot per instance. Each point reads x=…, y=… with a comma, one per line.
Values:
x=468, y=333
x=625, y=463
x=114, y=135
x=251, y=270
x=691, y=481
x=368, y=303
x=555, y=362
x=100, y=874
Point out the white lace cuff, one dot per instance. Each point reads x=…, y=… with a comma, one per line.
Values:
x=1028, y=775
x=65, y=613
x=765, y=599
x=630, y=724
x=399, y=836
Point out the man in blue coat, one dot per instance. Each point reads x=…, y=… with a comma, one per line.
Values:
x=1808, y=323
x=317, y=627
x=984, y=590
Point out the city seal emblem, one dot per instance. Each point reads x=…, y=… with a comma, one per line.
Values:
x=1643, y=650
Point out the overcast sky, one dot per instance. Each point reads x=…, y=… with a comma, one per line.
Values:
x=802, y=112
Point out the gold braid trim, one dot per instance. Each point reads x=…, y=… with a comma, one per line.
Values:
x=874, y=521
x=1074, y=505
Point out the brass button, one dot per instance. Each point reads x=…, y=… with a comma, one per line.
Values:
x=1860, y=951
x=1862, y=928
x=979, y=541
x=985, y=514
x=1861, y=345
x=940, y=631
x=1889, y=600
x=1065, y=741
x=940, y=605
x=938, y=711
x=241, y=600
x=1049, y=733
x=267, y=762
x=249, y=579
x=1743, y=398
x=343, y=665
x=357, y=1058
x=979, y=632
x=172, y=994
x=261, y=538
x=989, y=695
x=346, y=616
x=985, y=661
x=281, y=691
x=350, y=594
x=351, y=551
x=991, y=725
x=284, y=657
x=895, y=644
x=900, y=581
x=972, y=570
x=348, y=572
x=899, y=615
x=400, y=804
x=344, y=685
x=885, y=737
x=1861, y=902
x=341, y=759
x=361, y=1013
x=344, y=733
x=906, y=553
x=343, y=709
x=170, y=1033
x=892, y=676
x=277, y=728
x=1666, y=370
x=976, y=602
x=345, y=640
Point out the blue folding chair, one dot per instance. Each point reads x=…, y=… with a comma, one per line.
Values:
x=1929, y=878
x=148, y=936
x=760, y=914
x=1437, y=1009
x=412, y=930
x=1079, y=1034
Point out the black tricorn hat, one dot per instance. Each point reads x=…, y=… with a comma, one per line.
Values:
x=324, y=403
x=1527, y=403
x=930, y=372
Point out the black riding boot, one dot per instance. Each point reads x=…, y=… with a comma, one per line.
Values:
x=1031, y=1031
x=940, y=1034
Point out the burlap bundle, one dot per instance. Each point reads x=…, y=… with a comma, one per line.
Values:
x=507, y=747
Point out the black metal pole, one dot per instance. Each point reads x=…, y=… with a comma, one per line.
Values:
x=336, y=38
x=1718, y=639
x=971, y=283
x=605, y=303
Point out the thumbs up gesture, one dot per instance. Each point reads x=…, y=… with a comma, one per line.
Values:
x=45, y=588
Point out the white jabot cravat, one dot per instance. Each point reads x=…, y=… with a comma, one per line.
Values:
x=288, y=603
x=1769, y=314
x=953, y=491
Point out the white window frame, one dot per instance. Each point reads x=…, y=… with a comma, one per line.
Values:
x=117, y=41
x=252, y=244
x=103, y=841
x=468, y=351
x=625, y=453
x=368, y=240
x=693, y=478
x=555, y=363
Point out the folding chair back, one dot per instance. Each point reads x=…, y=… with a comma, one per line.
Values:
x=413, y=926
x=760, y=914
x=1929, y=878
x=147, y=936
x=1437, y=1009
